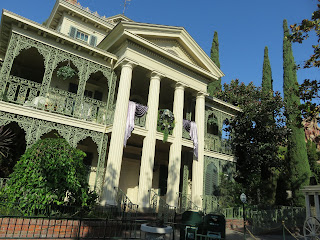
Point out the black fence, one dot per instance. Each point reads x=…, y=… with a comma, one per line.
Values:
x=21, y=221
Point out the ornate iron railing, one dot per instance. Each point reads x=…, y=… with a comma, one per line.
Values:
x=164, y=211
x=210, y=204
x=185, y=134
x=128, y=209
x=185, y=203
x=26, y=92
x=141, y=122
x=216, y=144
x=3, y=182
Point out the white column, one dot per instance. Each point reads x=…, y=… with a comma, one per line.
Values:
x=197, y=166
x=175, y=148
x=112, y=173
x=149, y=142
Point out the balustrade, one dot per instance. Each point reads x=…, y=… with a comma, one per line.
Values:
x=185, y=134
x=216, y=144
x=25, y=92
x=141, y=122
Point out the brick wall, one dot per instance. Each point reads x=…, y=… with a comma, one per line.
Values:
x=55, y=228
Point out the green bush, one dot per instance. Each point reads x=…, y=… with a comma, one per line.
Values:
x=51, y=172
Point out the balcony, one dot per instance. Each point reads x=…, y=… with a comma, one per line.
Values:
x=216, y=144
x=26, y=93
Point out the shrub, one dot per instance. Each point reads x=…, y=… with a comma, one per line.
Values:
x=51, y=172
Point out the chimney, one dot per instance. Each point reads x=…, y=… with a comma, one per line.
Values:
x=72, y=1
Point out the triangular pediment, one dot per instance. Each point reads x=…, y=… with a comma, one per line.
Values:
x=172, y=46
x=174, y=43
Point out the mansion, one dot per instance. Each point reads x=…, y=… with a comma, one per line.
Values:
x=133, y=96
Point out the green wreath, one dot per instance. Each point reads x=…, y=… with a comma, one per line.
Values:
x=66, y=72
x=165, y=123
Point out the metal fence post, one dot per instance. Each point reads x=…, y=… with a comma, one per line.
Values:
x=79, y=229
x=283, y=231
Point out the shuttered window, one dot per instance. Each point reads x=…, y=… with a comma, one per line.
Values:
x=93, y=40
x=72, y=32
x=211, y=180
x=75, y=33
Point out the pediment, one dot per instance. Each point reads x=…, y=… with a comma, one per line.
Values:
x=172, y=46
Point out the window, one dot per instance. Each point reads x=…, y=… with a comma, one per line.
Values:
x=75, y=33
x=82, y=36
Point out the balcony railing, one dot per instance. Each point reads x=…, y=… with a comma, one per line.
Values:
x=185, y=134
x=216, y=144
x=26, y=93
x=141, y=122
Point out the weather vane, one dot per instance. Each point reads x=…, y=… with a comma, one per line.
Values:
x=125, y=5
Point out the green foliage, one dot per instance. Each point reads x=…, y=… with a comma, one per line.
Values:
x=266, y=74
x=297, y=152
x=255, y=138
x=66, y=72
x=16, y=148
x=229, y=191
x=215, y=86
x=309, y=90
x=313, y=157
x=165, y=123
x=6, y=141
x=51, y=172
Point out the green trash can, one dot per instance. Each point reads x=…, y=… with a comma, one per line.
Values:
x=214, y=226
x=190, y=223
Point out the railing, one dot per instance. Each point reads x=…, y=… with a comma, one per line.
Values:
x=216, y=144
x=65, y=222
x=160, y=207
x=3, y=182
x=185, y=134
x=125, y=205
x=210, y=204
x=185, y=203
x=141, y=122
x=26, y=92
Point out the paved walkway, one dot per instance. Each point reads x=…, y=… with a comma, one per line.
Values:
x=234, y=235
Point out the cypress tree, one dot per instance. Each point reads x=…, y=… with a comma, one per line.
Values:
x=215, y=86
x=266, y=73
x=297, y=153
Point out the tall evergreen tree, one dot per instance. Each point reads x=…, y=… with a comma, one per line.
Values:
x=215, y=86
x=266, y=74
x=297, y=153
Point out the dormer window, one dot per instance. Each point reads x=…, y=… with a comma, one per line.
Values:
x=82, y=36
x=77, y=34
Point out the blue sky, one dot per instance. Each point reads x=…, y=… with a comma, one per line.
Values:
x=244, y=28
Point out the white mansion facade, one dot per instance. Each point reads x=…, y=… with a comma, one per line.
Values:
x=117, y=60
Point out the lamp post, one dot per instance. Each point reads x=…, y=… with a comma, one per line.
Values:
x=243, y=199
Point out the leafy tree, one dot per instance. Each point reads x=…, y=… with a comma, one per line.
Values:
x=309, y=90
x=50, y=172
x=313, y=157
x=266, y=74
x=214, y=55
x=256, y=138
x=297, y=152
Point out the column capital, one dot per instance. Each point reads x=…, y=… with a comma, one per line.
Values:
x=180, y=85
x=201, y=94
x=128, y=63
x=156, y=74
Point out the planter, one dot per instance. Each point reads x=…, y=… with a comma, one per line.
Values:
x=155, y=232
